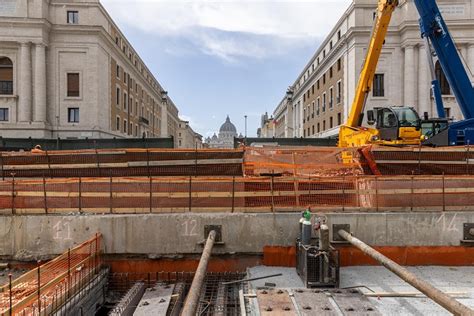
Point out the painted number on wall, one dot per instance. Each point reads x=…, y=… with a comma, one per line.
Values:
x=62, y=230
x=189, y=228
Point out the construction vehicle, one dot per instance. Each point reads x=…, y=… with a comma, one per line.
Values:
x=393, y=125
x=436, y=35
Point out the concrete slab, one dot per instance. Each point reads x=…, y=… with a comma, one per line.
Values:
x=448, y=279
x=155, y=301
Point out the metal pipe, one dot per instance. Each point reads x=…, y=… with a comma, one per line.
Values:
x=192, y=300
x=426, y=288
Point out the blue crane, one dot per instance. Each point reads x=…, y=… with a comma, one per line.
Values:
x=435, y=32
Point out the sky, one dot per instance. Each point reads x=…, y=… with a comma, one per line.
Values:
x=227, y=57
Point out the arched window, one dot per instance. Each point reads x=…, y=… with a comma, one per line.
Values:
x=443, y=82
x=6, y=76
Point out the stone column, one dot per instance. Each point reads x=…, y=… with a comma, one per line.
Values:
x=164, y=121
x=24, y=100
x=424, y=83
x=40, y=83
x=409, y=76
x=470, y=59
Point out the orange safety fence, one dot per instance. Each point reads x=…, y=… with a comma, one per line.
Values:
x=235, y=194
x=300, y=161
x=44, y=289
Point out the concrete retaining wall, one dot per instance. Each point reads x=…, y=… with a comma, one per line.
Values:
x=155, y=235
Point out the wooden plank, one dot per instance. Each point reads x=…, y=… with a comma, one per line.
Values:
x=311, y=303
x=275, y=303
x=190, y=162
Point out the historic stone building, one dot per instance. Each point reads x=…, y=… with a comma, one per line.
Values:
x=187, y=138
x=319, y=100
x=226, y=136
x=66, y=70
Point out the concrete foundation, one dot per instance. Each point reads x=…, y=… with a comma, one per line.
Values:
x=156, y=235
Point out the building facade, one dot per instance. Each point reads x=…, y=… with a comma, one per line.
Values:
x=187, y=138
x=267, y=127
x=320, y=98
x=66, y=70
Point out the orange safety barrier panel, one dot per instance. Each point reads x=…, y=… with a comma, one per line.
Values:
x=44, y=289
x=236, y=194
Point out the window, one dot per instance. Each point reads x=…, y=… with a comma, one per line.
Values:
x=318, y=107
x=324, y=79
x=330, y=122
x=378, y=85
x=339, y=64
x=312, y=113
x=125, y=126
x=443, y=81
x=330, y=72
x=324, y=125
x=125, y=101
x=447, y=112
x=331, y=97
x=4, y=117
x=136, y=130
x=312, y=89
x=317, y=84
x=339, y=119
x=324, y=53
x=124, y=77
x=117, y=124
x=72, y=17
x=130, y=131
x=73, y=115
x=117, y=71
x=72, y=84
x=6, y=76
x=330, y=45
x=313, y=130
x=118, y=96
x=116, y=40
x=339, y=35
x=324, y=102
x=339, y=92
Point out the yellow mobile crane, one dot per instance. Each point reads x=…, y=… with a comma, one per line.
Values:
x=394, y=125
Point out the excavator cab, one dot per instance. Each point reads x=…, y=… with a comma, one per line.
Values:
x=396, y=125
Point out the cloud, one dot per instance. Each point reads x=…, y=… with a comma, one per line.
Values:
x=232, y=29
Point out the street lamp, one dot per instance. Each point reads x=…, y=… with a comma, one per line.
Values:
x=245, y=116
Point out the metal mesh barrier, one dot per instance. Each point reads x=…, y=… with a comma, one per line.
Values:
x=43, y=290
x=421, y=161
x=300, y=162
x=121, y=163
x=235, y=194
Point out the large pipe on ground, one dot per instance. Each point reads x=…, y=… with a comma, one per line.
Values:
x=426, y=288
x=192, y=300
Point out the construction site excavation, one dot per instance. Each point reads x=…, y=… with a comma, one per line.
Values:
x=356, y=198
x=255, y=230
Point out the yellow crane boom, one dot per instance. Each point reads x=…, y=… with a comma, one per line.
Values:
x=384, y=15
x=395, y=126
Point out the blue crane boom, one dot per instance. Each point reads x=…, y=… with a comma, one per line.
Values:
x=434, y=28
